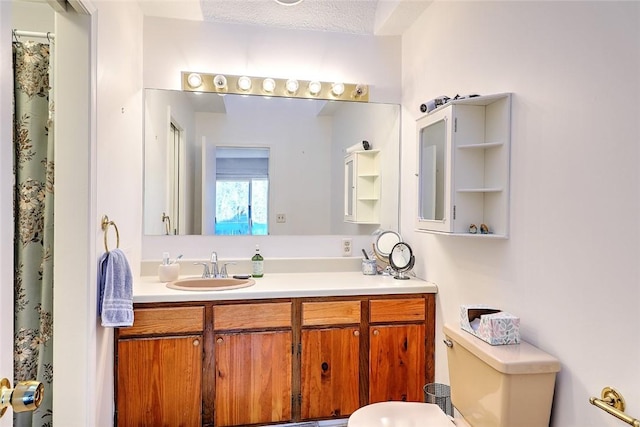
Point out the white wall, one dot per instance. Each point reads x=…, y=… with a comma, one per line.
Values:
x=570, y=269
x=172, y=46
x=119, y=162
x=30, y=16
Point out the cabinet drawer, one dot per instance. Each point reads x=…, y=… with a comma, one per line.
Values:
x=330, y=313
x=174, y=320
x=397, y=310
x=252, y=316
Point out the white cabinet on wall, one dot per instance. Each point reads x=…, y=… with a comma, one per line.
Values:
x=362, y=187
x=463, y=167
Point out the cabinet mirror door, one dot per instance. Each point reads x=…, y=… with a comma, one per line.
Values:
x=432, y=171
x=349, y=187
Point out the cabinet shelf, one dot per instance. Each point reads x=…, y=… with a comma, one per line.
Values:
x=362, y=187
x=481, y=145
x=473, y=236
x=480, y=190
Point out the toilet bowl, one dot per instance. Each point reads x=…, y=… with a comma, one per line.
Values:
x=402, y=414
x=513, y=385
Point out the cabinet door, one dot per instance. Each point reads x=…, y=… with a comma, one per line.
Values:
x=349, y=188
x=434, y=175
x=397, y=363
x=159, y=382
x=253, y=378
x=330, y=372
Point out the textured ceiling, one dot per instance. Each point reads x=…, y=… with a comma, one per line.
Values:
x=345, y=16
x=379, y=17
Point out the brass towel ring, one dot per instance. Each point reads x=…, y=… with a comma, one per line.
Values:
x=105, y=227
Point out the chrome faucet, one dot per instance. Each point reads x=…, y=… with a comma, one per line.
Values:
x=211, y=270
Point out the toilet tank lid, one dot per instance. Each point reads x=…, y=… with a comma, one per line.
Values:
x=521, y=358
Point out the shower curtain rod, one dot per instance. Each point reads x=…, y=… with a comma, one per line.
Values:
x=34, y=34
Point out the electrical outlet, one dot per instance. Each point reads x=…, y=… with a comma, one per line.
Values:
x=281, y=218
x=347, y=247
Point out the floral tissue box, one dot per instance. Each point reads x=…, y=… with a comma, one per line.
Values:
x=490, y=324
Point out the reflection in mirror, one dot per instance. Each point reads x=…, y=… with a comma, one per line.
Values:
x=300, y=190
x=386, y=241
x=432, y=171
x=241, y=192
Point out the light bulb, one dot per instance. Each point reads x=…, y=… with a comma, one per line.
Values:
x=361, y=90
x=244, y=83
x=315, y=87
x=337, y=89
x=268, y=85
x=292, y=86
x=194, y=80
x=220, y=81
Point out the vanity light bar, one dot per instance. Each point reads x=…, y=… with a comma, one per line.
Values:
x=248, y=85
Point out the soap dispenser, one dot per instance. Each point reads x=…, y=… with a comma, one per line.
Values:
x=168, y=271
x=257, y=263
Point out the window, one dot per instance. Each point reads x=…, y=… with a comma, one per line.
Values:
x=242, y=191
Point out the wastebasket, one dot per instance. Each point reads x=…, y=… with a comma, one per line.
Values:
x=440, y=394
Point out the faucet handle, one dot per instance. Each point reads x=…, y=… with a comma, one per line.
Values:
x=223, y=272
x=205, y=271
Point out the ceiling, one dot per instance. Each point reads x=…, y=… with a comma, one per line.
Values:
x=370, y=17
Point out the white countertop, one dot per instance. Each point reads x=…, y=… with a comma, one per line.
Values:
x=286, y=285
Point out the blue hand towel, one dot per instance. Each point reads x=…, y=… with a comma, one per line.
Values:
x=115, y=303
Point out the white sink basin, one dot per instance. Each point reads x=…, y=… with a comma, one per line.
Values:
x=210, y=284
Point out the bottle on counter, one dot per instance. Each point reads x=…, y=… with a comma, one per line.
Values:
x=257, y=263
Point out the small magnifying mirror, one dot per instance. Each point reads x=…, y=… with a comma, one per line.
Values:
x=401, y=260
x=384, y=244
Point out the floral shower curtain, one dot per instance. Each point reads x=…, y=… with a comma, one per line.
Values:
x=33, y=205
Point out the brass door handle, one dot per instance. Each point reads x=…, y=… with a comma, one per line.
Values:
x=26, y=396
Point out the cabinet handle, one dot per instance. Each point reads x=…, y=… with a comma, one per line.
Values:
x=196, y=342
x=356, y=333
x=219, y=340
x=376, y=332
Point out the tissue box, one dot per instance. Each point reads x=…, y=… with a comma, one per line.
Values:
x=490, y=324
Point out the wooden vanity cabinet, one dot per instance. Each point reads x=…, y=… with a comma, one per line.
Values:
x=398, y=348
x=253, y=363
x=260, y=362
x=158, y=368
x=330, y=359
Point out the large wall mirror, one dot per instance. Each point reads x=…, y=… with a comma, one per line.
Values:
x=233, y=164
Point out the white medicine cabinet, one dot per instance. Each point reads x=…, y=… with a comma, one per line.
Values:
x=362, y=187
x=463, y=167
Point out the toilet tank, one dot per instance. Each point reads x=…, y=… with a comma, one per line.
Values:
x=500, y=386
